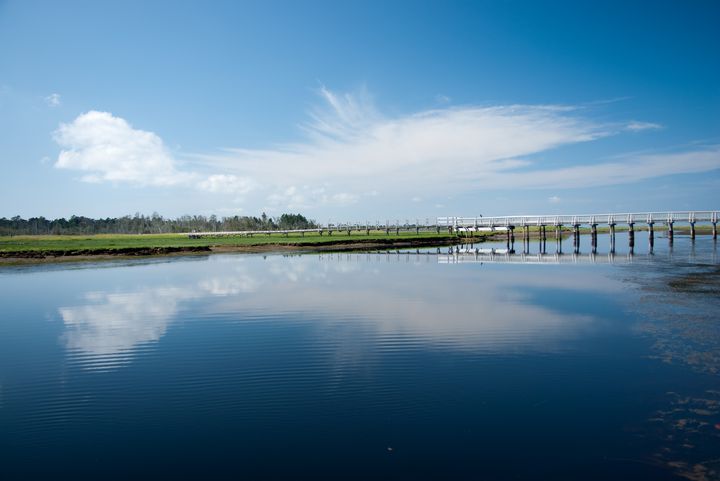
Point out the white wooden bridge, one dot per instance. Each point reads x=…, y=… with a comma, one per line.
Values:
x=480, y=223
x=541, y=222
x=506, y=224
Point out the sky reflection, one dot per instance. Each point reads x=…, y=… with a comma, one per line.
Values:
x=490, y=310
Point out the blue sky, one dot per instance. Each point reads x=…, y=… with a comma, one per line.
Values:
x=358, y=110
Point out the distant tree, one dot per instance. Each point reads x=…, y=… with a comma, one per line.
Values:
x=154, y=223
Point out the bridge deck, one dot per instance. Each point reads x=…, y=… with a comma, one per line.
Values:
x=690, y=217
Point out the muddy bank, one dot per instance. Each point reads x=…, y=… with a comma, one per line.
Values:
x=49, y=255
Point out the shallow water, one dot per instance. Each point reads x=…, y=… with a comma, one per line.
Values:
x=407, y=365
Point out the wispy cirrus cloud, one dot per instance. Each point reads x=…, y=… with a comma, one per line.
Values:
x=351, y=145
x=637, y=126
x=625, y=170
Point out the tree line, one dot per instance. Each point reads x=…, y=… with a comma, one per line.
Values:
x=153, y=224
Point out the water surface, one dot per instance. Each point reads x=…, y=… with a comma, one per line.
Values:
x=365, y=366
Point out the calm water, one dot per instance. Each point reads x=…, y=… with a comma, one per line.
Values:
x=364, y=366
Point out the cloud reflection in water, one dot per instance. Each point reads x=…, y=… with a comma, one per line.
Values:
x=435, y=305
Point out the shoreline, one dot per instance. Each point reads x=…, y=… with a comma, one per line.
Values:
x=48, y=256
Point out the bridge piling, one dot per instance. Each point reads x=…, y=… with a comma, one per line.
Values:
x=651, y=234
x=631, y=234
x=692, y=230
x=576, y=234
x=671, y=233
x=714, y=224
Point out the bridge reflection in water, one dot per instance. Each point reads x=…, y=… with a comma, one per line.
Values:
x=468, y=254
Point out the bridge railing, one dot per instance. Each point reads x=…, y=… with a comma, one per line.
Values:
x=581, y=219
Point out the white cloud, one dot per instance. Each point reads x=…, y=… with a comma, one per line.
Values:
x=416, y=199
x=636, y=126
x=110, y=323
x=624, y=171
x=436, y=148
x=53, y=100
x=350, y=147
x=554, y=199
x=227, y=184
x=109, y=149
x=304, y=197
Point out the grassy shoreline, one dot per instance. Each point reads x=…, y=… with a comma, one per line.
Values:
x=18, y=249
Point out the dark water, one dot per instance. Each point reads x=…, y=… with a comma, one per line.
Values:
x=364, y=366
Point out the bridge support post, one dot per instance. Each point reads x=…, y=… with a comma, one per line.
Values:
x=593, y=237
x=692, y=230
x=612, y=238
x=631, y=234
x=671, y=233
x=651, y=234
x=576, y=234
x=714, y=230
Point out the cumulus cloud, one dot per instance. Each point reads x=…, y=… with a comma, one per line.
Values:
x=108, y=148
x=554, y=199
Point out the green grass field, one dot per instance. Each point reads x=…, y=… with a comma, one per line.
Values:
x=123, y=241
